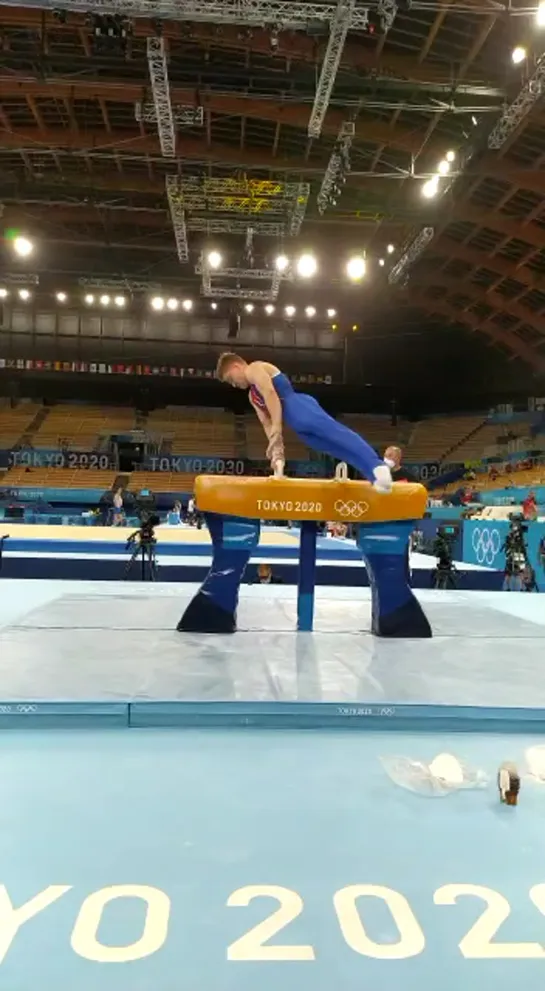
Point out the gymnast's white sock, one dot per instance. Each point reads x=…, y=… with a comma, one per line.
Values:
x=383, y=479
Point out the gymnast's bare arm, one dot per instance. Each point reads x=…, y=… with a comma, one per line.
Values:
x=260, y=374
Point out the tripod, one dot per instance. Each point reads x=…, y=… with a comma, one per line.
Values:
x=148, y=561
x=2, y=539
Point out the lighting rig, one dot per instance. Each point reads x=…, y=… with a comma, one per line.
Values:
x=337, y=168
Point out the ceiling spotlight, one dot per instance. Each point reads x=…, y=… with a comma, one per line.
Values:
x=281, y=263
x=3, y=293
x=61, y=297
x=119, y=301
x=289, y=311
x=331, y=314
x=474, y=120
x=430, y=188
x=214, y=259
x=310, y=311
x=518, y=55
x=307, y=266
x=22, y=246
x=24, y=294
x=269, y=309
x=157, y=303
x=249, y=307
x=89, y=299
x=540, y=15
x=450, y=156
x=444, y=167
x=172, y=304
x=390, y=249
x=334, y=326
x=213, y=306
x=381, y=262
x=355, y=268
x=187, y=305
x=105, y=300
x=355, y=327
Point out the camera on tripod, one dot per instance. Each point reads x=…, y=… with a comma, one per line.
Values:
x=514, y=545
x=142, y=542
x=444, y=575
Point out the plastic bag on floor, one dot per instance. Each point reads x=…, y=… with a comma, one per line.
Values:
x=443, y=776
x=535, y=761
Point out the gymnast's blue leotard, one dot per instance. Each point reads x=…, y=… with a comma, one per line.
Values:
x=319, y=430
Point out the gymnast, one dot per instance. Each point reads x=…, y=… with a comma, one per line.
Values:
x=275, y=403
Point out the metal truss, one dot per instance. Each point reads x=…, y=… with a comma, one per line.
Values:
x=177, y=214
x=299, y=210
x=21, y=279
x=224, y=292
x=411, y=250
x=338, y=165
x=277, y=13
x=522, y=105
x=387, y=11
x=330, y=65
x=130, y=285
x=238, y=275
x=211, y=225
x=183, y=116
x=158, y=71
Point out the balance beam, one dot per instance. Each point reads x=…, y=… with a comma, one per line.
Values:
x=234, y=507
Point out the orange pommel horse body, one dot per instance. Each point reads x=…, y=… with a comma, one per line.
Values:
x=234, y=507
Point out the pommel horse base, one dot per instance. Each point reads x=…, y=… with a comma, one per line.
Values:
x=233, y=508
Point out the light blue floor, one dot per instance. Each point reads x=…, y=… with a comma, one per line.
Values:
x=199, y=815
x=112, y=642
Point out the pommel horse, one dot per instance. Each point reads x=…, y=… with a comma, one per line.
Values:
x=233, y=508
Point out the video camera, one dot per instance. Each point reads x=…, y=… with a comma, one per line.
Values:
x=145, y=535
x=443, y=575
x=514, y=545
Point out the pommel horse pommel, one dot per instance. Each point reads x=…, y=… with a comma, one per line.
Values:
x=234, y=507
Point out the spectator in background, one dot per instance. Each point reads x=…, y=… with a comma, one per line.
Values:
x=529, y=507
x=393, y=457
x=191, y=510
x=118, y=516
x=175, y=516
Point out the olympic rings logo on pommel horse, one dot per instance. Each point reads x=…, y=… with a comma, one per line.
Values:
x=351, y=510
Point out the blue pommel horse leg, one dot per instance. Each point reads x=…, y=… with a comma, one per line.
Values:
x=384, y=546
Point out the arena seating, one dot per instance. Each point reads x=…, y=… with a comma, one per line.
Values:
x=81, y=427
x=59, y=478
x=377, y=430
x=433, y=439
x=14, y=423
x=194, y=430
x=164, y=481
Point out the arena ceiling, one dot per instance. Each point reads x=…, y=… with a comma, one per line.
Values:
x=85, y=161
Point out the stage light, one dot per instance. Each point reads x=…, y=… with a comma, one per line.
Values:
x=105, y=300
x=187, y=305
x=213, y=306
x=22, y=246
x=281, y=263
x=269, y=309
x=3, y=293
x=381, y=262
x=89, y=299
x=540, y=15
x=334, y=326
x=61, y=297
x=518, y=55
x=249, y=307
x=355, y=327
x=430, y=188
x=355, y=268
x=310, y=311
x=214, y=259
x=390, y=249
x=450, y=156
x=307, y=266
x=172, y=304
x=444, y=167
x=120, y=301
x=331, y=314
x=289, y=311
x=157, y=303
x=24, y=294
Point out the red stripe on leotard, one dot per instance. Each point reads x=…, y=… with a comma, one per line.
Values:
x=257, y=399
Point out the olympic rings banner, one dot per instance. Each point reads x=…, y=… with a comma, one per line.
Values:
x=483, y=541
